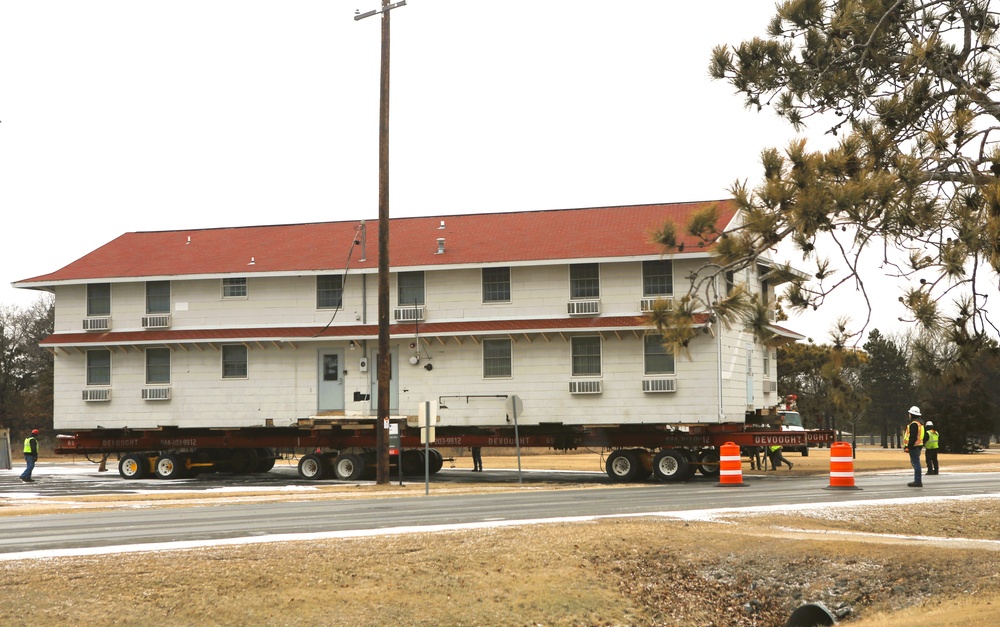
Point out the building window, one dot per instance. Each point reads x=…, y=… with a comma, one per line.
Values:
x=98, y=367
x=329, y=291
x=656, y=359
x=730, y=282
x=584, y=281
x=410, y=289
x=767, y=364
x=157, y=297
x=234, y=288
x=99, y=299
x=234, y=361
x=586, y=356
x=657, y=278
x=496, y=285
x=496, y=359
x=157, y=366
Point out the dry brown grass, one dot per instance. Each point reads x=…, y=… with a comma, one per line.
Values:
x=742, y=570
x=613, y=572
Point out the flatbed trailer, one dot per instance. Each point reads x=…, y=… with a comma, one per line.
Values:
x=346, y=451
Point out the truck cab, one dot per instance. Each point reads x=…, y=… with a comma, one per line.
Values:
x=791, y=420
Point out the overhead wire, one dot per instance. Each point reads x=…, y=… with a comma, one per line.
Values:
x=343, y=283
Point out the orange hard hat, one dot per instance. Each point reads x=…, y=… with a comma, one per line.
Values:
x=34, y=432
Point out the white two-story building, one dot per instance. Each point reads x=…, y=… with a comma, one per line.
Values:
x=271, y=325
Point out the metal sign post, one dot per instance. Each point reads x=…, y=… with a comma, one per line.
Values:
x=396, y=445
x=515, y=407
x=427, y=435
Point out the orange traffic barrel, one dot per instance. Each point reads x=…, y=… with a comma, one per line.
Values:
x=842, y=466
x=730, y=466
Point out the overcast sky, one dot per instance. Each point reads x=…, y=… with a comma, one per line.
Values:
x=134, y=115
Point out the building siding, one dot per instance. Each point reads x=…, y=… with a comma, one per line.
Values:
x=282, y=385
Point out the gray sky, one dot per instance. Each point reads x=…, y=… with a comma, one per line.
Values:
x=135, y=116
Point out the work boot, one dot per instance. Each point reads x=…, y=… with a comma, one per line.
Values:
x=915, y=484
x=790, y=466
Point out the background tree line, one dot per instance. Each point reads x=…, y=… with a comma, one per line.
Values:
x=869, y=390
x=25, y=368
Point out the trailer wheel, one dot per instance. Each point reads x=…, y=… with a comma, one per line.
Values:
x=133, y=466
x=243, y=461
x=624, y=466
x=170, y=466
x=349, y=467
x=265, y=459
x=708, y=463
x=312, y=467
x=671, y=465
x=645, y=463
x=413, y=462
x=437, y=461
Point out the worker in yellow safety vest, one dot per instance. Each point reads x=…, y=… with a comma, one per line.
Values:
x=931, y=445
x=777, y=459
x=30, y=455
x=913, y=443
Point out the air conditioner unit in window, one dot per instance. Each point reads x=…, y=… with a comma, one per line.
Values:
x=770, y=387
x=584, y=387
x=156, y=321
x=584, y=307
x=659, y=385
x=156, y=394
x=646, y=304
x=102, y=323
x=408, y=314
x=97, y=394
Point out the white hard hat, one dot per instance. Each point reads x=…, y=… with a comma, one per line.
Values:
x=929, y=424
x=914, y=411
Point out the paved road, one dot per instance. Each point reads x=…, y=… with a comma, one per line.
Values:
x=83, y=479
x=113, y=528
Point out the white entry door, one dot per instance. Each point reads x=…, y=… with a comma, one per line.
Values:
x=331, y=380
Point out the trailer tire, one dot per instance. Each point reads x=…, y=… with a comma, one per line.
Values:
x=671, y=465
x=437, y=461
x=349, y=467
x=413, y=462
x=265, y=459
x=243, y=461
x=170, y=466
x=133, y=466
x=645, y=463
x=624, y=466
x=312, y=467
x=708, y=463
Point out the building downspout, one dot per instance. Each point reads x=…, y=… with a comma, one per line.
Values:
x=722, y=413
x=718, y=361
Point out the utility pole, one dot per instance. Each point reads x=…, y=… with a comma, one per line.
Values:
x=383, y=366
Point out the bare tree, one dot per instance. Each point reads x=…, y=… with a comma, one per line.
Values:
x=25, y=368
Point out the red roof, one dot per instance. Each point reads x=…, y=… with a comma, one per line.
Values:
x=501, y=238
